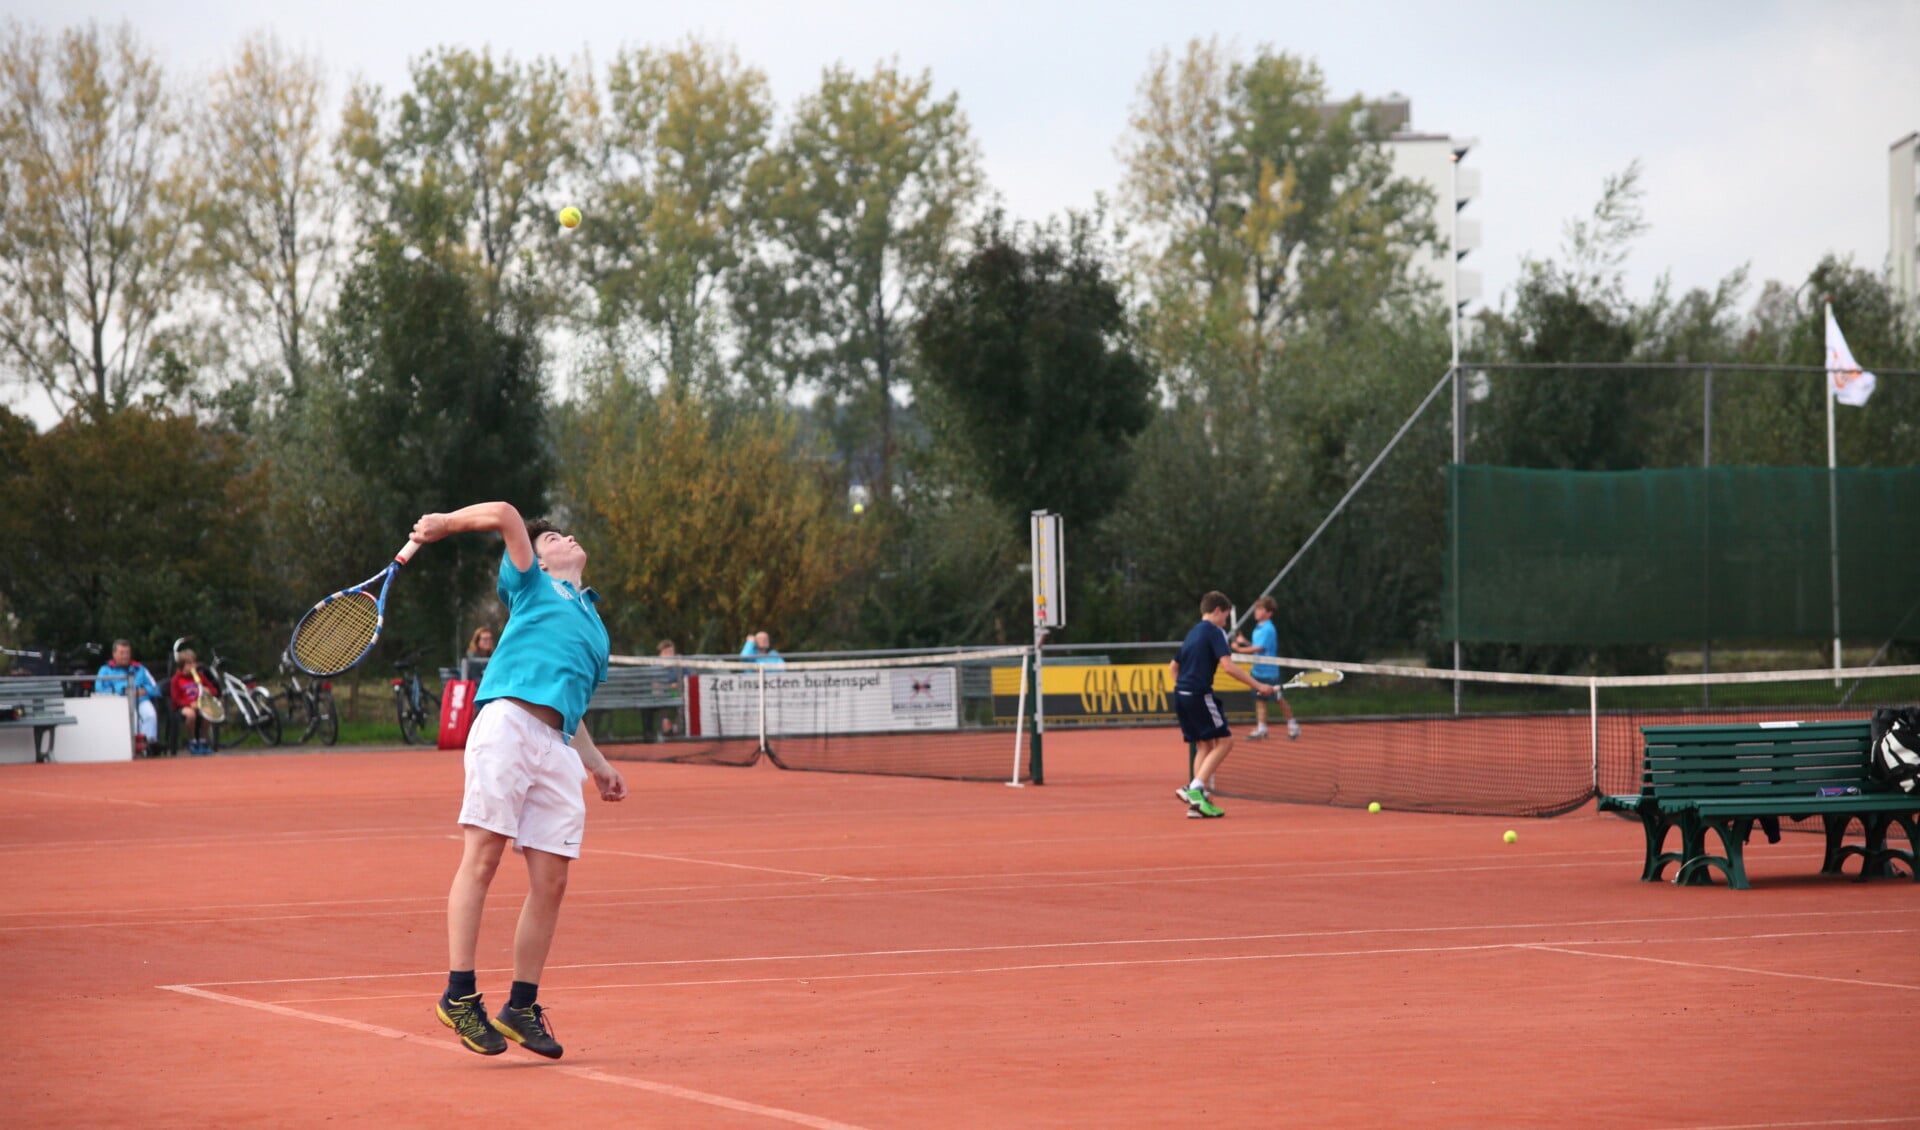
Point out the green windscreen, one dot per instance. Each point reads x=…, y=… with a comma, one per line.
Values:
x=1721, y=553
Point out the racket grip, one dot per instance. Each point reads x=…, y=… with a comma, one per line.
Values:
x=406, y=552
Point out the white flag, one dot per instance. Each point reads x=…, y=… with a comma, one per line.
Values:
x=1849, y=383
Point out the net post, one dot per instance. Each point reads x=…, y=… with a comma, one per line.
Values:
x=1593, y=729
x=1020, y=723
x=760, y=669
x=1035, y=764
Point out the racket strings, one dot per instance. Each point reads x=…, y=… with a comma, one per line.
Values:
x=336, y=634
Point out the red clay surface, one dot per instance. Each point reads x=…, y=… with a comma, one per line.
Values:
x=259, y=941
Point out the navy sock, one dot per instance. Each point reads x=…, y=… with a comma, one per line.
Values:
x=460, y=983
x=523, y=994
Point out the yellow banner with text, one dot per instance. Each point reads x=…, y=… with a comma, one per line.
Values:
x=1094, y=694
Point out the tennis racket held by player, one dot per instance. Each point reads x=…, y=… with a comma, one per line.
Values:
x=337, y=633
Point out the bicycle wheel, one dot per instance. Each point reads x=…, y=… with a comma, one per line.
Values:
x=295, y=716
x=429, y=715
x=267, y=721
x=409, y=721
x=326, y=718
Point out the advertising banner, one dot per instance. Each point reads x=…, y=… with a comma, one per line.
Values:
x=1096, y=694
x=825, y=702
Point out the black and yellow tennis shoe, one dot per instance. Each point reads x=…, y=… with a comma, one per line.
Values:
x=468, y=1017
x=529, y=1028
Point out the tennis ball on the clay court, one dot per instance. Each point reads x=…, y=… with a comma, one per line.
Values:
x=1374, y=807
x=569, y=217
x=1511, y=837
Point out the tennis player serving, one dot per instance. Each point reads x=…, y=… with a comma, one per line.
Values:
x=523, y=782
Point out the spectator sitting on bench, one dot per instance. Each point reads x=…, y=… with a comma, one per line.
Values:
x=120, y=676
x=188, y=685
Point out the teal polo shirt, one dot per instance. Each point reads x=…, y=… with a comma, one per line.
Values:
x=554, y=649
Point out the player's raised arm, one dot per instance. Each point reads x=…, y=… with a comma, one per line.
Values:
x=500, y=516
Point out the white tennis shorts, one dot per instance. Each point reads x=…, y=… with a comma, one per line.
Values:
x=524, y=781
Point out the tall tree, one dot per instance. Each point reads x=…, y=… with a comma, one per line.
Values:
x=668, y=162
x=442, y=407
x=1029, y=374
x=1260, y=204
x=269, y=225
x=139, y=524
x=469, y=155
x=1571, y=310
x=860, y=205
x=94, y=194
x=705, y=526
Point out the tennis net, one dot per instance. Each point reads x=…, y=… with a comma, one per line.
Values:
x=922, y=714
x=1521, y=745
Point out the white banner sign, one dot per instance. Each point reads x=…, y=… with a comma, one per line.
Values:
x=825, y=701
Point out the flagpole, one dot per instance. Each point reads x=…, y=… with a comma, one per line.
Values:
x=1833, y=507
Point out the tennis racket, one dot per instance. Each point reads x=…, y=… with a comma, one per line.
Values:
x=208, y=703
x=1313, y=679
x=338, y=632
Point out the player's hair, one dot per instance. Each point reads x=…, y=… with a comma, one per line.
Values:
x=663, y=645
x=1271, y=605
x=1213, y=602
x=118, y=644
x=541, y=526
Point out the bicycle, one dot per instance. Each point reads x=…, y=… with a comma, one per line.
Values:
x=248, y=700
x=410, y=699
x=309, y=705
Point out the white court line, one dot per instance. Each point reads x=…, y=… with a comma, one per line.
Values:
x=1185, y=959
x=802, y=892
x=1910, y=1120
x=735, y=866
x=1721, y=968
x=1214, y=939
x=814, y=891
x=733, y=823
x=597, y=1076
x=82, y=799
x=438, y=899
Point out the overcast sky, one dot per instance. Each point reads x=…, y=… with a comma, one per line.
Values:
x=1763, y=127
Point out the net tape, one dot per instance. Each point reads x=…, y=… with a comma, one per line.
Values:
x=748, y=665
x=1603, y=682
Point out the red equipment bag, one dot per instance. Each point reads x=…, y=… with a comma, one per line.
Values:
x=456, y=712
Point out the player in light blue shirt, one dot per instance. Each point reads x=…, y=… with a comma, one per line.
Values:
x=527, y=756
x=1266, y=641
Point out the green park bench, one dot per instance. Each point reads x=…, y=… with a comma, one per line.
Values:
x=1724, y=778
x=34, y=702
x=646, y=689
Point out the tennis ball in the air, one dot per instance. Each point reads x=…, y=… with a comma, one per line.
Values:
x=859, y=508
x=1374, y=807
x=1511, y=837
x=569, y=217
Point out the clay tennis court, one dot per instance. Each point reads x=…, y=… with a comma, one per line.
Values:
x=259, y=941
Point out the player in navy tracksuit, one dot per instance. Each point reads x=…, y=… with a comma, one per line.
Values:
x=1201, y=721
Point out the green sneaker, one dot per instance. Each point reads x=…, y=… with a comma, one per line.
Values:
x=1198, y=801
